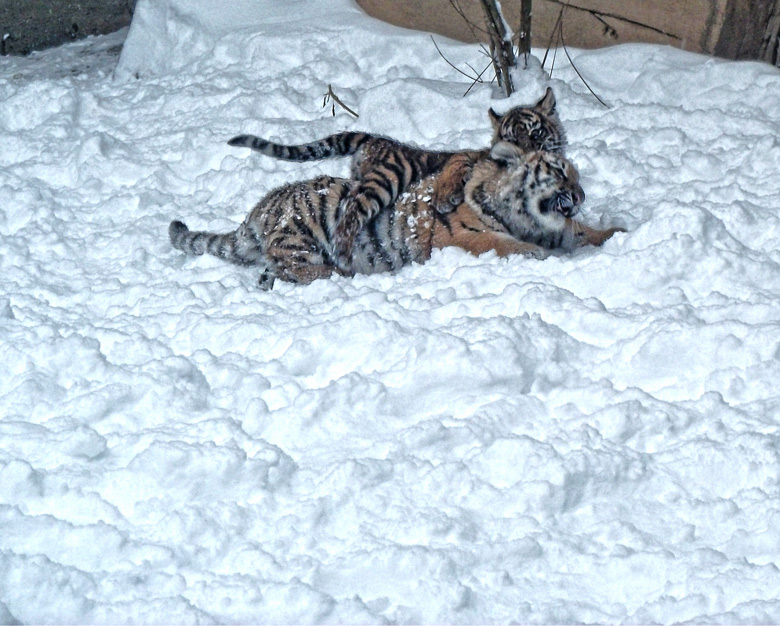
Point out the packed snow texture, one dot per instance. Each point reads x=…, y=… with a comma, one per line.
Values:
x=588, y=438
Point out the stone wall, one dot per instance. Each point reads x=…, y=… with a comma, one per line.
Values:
x=27, y=25
x=737, y=29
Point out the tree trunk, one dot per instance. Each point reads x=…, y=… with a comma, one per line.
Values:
x=501, y=51
x=770, y=44
x=524, y=36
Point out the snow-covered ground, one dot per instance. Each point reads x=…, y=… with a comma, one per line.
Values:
x=588, y=438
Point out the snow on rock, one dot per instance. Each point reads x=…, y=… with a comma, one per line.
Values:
x=588, y=438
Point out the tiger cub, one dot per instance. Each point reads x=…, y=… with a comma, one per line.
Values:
x=515, y=203
x=384, y=168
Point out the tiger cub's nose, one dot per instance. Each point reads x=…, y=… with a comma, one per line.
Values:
x=578, y=195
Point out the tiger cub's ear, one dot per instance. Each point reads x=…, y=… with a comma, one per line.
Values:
x=509, y=153
x=547, y=104
x=495, y=118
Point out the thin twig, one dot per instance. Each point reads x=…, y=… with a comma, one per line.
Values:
x=471, y=25
x=552, y=65
x=552, y=34
x=478, y=79
x=609, y=30
x=567, y=4
x=338, y=101
x=452, y=65
x=582, y=78
x=484, y=51
x=471, y=67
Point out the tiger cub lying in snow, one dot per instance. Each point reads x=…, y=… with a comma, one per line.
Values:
x=383, y=168
x=516, y=202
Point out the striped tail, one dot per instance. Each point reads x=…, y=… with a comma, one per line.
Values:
x=340, y=144
x=229, y=246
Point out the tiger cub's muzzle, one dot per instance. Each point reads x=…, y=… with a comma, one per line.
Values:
x=566, y=202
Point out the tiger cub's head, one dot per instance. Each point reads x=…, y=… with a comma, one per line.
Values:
x=525, y=191
x=531, y=128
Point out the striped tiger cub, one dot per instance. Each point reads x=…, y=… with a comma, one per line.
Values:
x=384, y=168
x=516, y=202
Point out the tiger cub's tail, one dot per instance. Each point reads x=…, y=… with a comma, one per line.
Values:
x=234, y=247
x=340, y=144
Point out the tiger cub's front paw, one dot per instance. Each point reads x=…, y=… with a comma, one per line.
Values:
x=447, y=204
x=450, y=189
x=447, y=200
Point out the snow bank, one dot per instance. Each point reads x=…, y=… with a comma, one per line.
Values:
x=589, y=438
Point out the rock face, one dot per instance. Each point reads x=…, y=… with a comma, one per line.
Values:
x=735, y=29
x=27, y=25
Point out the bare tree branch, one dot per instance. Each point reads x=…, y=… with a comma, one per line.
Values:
x=478, y=79
x=582, y=78
x=471, y=25
x=452, y=65
x=475, y=30
x=332, y=96
x=609, y=30
x=552, y=35
x=602, y=14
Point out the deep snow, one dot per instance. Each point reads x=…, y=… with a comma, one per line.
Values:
x=588, y=438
